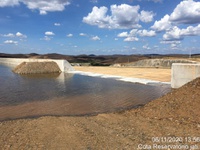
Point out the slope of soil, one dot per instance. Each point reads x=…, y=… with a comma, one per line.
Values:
x=37, y=67
x=158, y=63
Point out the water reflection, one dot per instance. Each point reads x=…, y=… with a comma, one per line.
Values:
x=68, y=94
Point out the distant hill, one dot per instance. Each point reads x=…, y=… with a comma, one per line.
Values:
x=97, y=60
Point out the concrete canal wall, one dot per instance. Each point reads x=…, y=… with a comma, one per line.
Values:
x=183, y=73
x=64, y=65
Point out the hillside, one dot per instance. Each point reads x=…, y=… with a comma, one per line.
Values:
x=100, y=60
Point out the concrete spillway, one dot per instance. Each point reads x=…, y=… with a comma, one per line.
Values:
x=64, y=65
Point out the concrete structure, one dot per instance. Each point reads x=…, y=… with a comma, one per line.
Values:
x=64, y=65
x=183, y=73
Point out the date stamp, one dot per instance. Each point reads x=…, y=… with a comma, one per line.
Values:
x=176, y=139
x=172, y=143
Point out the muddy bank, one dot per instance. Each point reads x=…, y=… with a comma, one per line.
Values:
x=37, y=68
x=176, y=114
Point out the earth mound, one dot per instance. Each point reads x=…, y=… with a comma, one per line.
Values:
x=181, y=105
x=37, y=68
x=157, y=63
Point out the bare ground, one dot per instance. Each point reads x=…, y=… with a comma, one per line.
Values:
x=163, y=75
x=176, y=115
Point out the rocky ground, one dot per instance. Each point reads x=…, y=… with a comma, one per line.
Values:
x=172, y=120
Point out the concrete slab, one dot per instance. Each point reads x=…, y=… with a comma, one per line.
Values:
x=183, y=73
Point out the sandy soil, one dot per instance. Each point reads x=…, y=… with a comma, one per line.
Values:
x=172, y=120
x=163, y=75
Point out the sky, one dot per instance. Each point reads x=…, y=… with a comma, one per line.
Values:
x=100, y=27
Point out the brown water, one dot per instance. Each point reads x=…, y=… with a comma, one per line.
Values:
x=68, y=95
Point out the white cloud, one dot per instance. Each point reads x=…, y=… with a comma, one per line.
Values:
x=4, y=3
x=49, y=33
x=46, y=38
x=94, y=1
x=122, y=17
x=116, y=39
x=95, y=38
x=162, y=25
x=146, y=33
x=10, y=42
x=173, y=44
x=170, y=42
x=18, y=34
x=43, y=6
x=98, y=17
x=83, y=34
x=131, y=39
x=187, y=12
x=133, y=32
x=123, y=34
x=132, y=35
x=57, y=24
x=10, y=35
x=191, y=31
x=146, y=47
x=70, y=35
x=146, y=16
x=173, y=34
x=178, y=34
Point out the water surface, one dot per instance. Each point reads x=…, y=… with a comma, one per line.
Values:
x=68, y=95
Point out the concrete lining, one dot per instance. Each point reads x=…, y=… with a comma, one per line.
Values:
x=64, y=65
x=183, y=73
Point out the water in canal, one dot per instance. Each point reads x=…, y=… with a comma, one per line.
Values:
x=68, y=95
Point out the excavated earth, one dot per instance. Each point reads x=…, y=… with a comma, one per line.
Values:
x=37, y=68
x=158, y=63
x=172, y=120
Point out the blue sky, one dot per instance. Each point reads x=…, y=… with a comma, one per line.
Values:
x=74, y=27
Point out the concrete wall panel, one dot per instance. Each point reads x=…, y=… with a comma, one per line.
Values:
x=183, y=73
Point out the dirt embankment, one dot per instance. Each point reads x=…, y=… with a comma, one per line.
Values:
x=175, y=115
x=37, y=68
x=157, y=63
